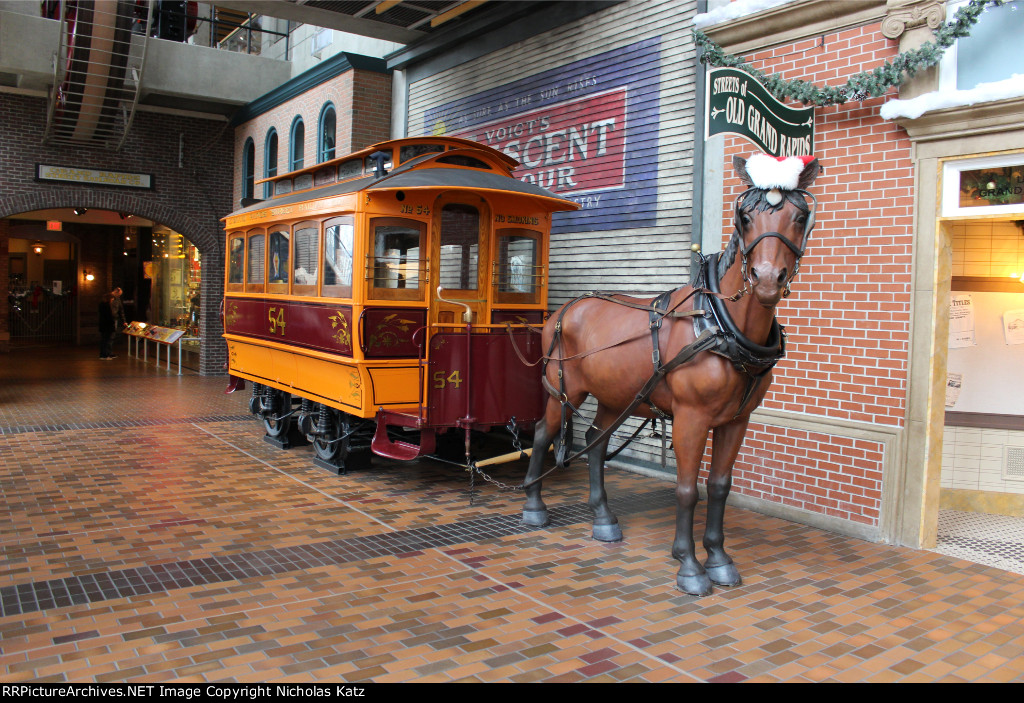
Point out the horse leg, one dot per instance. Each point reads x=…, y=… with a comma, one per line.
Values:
x=725, y=447
x=689, y=441
x=606, y=525
x=535, y=513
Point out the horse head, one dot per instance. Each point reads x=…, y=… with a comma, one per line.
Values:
x=772, y=224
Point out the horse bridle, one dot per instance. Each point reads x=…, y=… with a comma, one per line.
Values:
x=798, y=251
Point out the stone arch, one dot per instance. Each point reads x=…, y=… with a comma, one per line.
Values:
x=206, y=236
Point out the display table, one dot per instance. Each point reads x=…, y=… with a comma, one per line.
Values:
x=160, y=336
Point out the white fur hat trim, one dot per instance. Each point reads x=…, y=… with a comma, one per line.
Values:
x=768, y=172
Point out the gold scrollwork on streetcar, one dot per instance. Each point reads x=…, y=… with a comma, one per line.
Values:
x=339, y=323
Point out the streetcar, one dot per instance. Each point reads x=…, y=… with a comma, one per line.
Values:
x=384, y=299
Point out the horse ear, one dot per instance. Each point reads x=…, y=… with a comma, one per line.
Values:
x=811, y=171
x=740, y=164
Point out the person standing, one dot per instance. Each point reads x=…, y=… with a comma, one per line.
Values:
x=117, y=310
x=106, y=326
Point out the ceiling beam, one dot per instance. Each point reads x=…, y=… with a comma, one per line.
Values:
x=324, y=18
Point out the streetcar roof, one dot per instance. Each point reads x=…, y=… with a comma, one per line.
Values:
x=424, y=172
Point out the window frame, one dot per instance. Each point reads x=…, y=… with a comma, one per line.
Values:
x=297, y=147
x=251, y=287
x=306, y=289
x=515, y=298
x=322, y=153
x=337, y=290
x=230, y=286
x=249, y=169
x=278, y=288
x=270, y=166
x=423, y=265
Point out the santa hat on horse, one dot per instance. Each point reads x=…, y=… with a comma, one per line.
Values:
x=775, y=173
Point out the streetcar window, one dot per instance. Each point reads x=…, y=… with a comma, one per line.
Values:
x=278, y=257
x=256, y=246
x=236, y=260
x=462, y=160
x=411, y=151
x=350, y=169
x=460, y=247
x=307, y=259
x=396, y=263
x=338, y=258
x=517, y=275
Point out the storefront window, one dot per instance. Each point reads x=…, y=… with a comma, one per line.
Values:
x=176, y=276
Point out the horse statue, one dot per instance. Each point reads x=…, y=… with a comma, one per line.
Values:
x=720, y=349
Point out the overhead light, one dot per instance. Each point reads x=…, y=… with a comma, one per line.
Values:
x=81, y=210
x=38, y=248
x=124, y=215
x=89, y=276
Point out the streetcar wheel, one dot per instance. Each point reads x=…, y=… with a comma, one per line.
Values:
x=333, y=446
x=279, y=422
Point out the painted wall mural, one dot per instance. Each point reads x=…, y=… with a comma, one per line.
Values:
x=588, y=131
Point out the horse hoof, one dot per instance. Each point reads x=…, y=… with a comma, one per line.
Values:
x=724, y=575
x=535, y=518
x=608, y=533
x=697, y=585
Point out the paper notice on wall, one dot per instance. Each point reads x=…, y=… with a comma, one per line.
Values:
x=961, y=321
x=954, y=381
x=1013, y=326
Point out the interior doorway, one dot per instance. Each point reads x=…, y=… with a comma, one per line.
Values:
x=981, y=505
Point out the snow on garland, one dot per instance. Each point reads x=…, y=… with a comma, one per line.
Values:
x=863, y=85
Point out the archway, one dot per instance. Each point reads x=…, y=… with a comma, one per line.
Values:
x=205, y=236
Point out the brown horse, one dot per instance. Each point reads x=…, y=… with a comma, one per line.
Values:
x=715, y=390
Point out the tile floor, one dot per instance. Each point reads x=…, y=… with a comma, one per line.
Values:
x=153, y=536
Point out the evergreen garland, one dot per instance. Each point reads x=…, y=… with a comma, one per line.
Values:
x=864, y=85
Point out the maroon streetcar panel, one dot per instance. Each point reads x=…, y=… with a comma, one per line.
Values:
x=311, y=325
x=499, y=385
x=387, y=333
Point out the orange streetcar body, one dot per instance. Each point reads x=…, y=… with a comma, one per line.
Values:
x=400, y=285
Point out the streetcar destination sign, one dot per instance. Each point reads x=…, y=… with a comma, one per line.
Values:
x=738, y=104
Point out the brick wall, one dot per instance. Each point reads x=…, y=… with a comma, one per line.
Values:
x=190, y=195
x=848, y=319
x=362, y=104
x=5, y=328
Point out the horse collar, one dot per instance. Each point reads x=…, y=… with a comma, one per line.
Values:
x=746, y=356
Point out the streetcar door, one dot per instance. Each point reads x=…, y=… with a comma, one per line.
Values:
x=458, y=260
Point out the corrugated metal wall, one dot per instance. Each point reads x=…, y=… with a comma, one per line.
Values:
x=600, y=110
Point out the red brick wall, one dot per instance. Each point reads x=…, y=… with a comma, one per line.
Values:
x=191, y=192
x=362, y=104
x=848, y=319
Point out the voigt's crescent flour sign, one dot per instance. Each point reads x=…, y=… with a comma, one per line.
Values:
x=587, y=131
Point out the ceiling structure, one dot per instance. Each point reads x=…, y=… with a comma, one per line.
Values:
x=401, y=21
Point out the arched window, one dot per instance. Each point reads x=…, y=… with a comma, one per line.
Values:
x=298, y=151
x=248, y=168
x=270, y=161
x=328, y=133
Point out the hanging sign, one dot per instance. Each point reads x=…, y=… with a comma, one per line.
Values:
x=738, y=104
x=91, y=176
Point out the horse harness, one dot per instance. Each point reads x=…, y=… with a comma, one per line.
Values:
x=713, y=327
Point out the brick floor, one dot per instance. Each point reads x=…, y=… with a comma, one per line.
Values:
x=153, y=536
